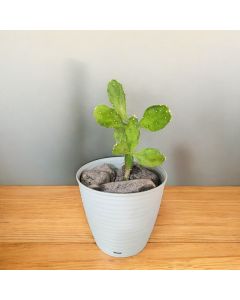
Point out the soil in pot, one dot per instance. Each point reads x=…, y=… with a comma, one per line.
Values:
x=107, y=178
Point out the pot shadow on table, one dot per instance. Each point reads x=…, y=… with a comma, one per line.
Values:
x=87, y=140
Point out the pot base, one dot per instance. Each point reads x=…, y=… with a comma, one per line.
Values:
x=121, y=254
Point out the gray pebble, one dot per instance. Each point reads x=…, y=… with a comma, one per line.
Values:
x=95, y=187
x=94, y=177
x=139, y=172
x=119, y=175
x=128, y=186
x=107, y=168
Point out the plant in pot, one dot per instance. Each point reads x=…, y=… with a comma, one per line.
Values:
x=122, y=195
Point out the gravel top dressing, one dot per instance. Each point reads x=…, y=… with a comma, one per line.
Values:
x=108, y=178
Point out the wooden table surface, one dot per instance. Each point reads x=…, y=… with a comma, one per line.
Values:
x=45, y=228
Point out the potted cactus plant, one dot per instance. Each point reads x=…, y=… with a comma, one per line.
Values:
x=121, y=195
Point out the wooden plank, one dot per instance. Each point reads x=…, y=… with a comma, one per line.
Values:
x=199, y=214
x=198, y=227
x=42, y=214
x=87, y=256
x=187, y=214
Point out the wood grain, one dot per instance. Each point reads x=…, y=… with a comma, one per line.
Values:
x=45, y=228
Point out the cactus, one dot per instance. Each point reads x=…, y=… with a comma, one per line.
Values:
x=127, y=129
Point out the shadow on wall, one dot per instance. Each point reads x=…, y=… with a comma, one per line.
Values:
x=183, y=162
x=87, y=141
x=75, y=153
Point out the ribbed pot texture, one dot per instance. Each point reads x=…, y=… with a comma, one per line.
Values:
x=121, y=224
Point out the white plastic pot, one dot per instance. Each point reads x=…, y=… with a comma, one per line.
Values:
x=121, y=224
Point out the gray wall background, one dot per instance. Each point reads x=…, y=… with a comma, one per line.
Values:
x=50, y=82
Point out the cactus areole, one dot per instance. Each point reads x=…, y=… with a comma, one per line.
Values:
x=127, y=128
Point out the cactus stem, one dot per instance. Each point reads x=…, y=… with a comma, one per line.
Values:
x=128, y=166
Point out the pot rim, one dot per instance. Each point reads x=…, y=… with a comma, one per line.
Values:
x=96, y=192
